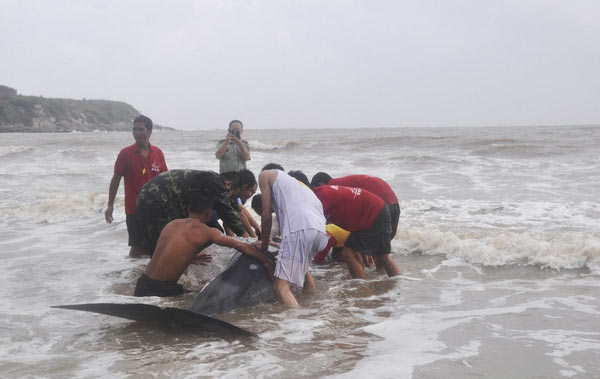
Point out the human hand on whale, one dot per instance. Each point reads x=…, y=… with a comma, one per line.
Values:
x=258, y=244
x=202, y=259
x=268, y=263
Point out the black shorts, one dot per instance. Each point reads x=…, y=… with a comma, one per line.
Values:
x=150, y=287
x=336, y=253
x=395, y=218
x=376, y=240
x=134, y=230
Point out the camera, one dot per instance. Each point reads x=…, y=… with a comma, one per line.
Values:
x=236, y=133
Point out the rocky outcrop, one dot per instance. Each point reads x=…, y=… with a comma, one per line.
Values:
x=20, y=113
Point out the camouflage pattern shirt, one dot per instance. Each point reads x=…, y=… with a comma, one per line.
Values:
x=172, y=189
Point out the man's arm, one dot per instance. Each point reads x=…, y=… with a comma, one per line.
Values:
x=266, y=221
x=246, y=224
x=112, y=194
x=243, y=149
x=244, y=248
x=223, y=148
x=251, y=219
x=164, y=163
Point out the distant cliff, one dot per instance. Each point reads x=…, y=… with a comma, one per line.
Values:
x=20, y=113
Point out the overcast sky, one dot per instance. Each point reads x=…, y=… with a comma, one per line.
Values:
x=276, y=64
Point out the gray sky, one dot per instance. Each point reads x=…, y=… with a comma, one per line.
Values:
x=308, y=64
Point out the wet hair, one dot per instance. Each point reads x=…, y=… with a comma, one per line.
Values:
x=233, y=177
x=319, y=179
x=257, y=203
x=299, y=175
x=234, y=121
x=199, y=203
x=144, y=120
x=273, y=166
x=247, y=178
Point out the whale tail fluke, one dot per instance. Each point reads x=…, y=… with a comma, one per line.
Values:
x=173, y=317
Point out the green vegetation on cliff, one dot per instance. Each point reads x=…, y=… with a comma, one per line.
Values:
x=20, y=113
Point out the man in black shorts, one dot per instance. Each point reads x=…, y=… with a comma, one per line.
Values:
x=370, y=183
x=367, y=218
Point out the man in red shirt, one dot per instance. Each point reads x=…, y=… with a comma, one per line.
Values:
x=138, y=163
x=367, y=218
x=367, y=182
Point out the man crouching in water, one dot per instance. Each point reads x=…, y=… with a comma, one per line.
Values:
x=181, y=243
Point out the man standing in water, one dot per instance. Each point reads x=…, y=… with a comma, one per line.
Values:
x=138, y=164
x=233, y=152
x=302, y=227
x=181, y=243
x=367, y=218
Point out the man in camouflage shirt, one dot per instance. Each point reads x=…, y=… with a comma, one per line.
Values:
x=166, y=196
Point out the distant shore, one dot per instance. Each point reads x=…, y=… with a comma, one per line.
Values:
x=37, y=114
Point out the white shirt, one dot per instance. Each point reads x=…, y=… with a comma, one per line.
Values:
x=297, y=207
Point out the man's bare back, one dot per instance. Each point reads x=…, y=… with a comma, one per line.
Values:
x=180, y=244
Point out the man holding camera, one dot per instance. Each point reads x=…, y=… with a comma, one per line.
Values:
x=233, y=152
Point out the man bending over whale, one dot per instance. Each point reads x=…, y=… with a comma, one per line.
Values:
x=302, y=226
x=181, y=243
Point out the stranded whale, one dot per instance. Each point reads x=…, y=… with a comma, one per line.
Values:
x=245, y=282
x=173, y=317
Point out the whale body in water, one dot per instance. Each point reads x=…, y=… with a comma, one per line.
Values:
x=245, y=282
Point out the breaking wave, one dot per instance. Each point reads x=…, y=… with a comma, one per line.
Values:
x=9, y=150
x=57, y=207
x=262, y=146
x=554, y=250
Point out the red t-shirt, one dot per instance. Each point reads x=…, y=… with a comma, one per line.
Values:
x=370, y=183
x=137, y=170
x=350, y=208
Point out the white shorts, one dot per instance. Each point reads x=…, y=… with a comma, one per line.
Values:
x=296, y=252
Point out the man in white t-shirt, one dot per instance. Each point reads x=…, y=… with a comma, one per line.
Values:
x=302, y=226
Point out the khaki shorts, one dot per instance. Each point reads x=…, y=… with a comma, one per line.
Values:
x=296, y=252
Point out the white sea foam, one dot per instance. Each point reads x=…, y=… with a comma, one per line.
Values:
x=269, y=146
x=99, y=366
x=8, y=150
x=54, y=207
x=556, y=250
x=481, y=214
x=416, y=340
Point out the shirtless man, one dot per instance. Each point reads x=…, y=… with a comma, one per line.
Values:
x=180, y=244
x=302, y=225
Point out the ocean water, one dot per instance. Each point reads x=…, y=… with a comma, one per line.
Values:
x=499, y=244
